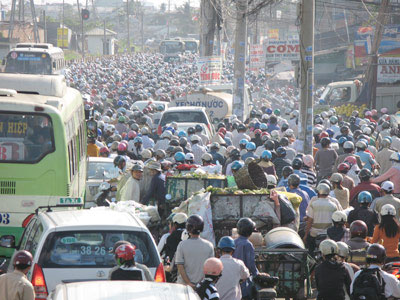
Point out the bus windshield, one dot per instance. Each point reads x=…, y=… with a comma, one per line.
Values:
x=28, y=63
x=25, y=137
x=172, y=47
x=191, y=46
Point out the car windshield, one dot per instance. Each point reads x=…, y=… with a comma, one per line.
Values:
x=102, y=170
x=183, y=117
x=86, y=249
x=25, y=138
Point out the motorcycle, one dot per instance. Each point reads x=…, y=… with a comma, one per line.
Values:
x=264, y=286
x=101, y=198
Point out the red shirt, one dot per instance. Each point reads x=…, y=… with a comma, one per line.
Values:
x=364, y=186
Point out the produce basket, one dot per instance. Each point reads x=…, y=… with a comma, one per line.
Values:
x=251, y=177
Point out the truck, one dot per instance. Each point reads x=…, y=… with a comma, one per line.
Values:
x=217, y=99
x=351, y=92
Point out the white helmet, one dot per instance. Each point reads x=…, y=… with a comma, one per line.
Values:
x=275, y=134
x=144, y=130
x=348, y=145
x=339, y=216
x=343, y=249
x=328, y=247
x=388, y=210
x=323, y=189
x=361, y=145
x=189, y=156
x=271, y=180
x=106, y=119
x=395, y=156
x=367, y=130
x=146, y=154
x=166, y=134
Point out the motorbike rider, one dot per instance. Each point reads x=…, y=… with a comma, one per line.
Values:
x=245, y=252
x=387, y=189
x=358, y=235
x=15, y=285
x=363, y=212
x=331, y=275
x=212, y=273
x=376, y=255
x=126, y=263
x=234, y=271
x=192, y=253
x=338, y=232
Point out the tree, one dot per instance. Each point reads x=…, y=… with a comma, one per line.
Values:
x=163, y=7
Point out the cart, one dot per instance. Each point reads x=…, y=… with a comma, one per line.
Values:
x=292, y=266
x=181, y=188
x=227, y=209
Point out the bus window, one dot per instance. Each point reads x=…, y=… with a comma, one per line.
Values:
x=25, y=138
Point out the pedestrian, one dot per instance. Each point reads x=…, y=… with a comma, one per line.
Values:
x=15, y=285
x=325, y=159
x=131, y=189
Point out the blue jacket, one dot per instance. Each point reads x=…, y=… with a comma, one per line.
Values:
x=156, y=190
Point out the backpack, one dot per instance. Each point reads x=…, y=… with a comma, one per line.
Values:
x=369, y=285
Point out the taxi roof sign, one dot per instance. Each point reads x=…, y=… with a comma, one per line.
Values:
x=68, y=201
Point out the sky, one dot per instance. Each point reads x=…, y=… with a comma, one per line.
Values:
x=155, y=2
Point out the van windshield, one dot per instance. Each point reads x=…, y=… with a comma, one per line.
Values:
x=183, y=117
x=86, y=249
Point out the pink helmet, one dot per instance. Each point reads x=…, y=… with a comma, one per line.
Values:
x=351, y=160
x=122, y=147
x=213, y=266
x=124, y=142
x=368, y=113
x=374, y=112
x=104, y=150
x=384, y=110
x=308, y=160
x=132, y=134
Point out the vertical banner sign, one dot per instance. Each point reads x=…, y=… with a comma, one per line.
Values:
x=62, y=37
x=257, y=58
x=273, y=34
x=210, y=70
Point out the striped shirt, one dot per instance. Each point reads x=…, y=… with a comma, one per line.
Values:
x=311, y=177
x=321, y=210
x=210, y=293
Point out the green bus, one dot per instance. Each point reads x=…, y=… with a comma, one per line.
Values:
x=42, y=147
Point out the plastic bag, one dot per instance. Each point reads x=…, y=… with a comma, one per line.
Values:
x=200, y=204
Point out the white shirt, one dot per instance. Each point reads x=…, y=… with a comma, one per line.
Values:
x=392, y=285
x=162, y=144
x=198, y=152
x=147, y=142
x=131, y=190
x=228, y=285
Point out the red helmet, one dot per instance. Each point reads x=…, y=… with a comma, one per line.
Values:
x=358, y=228
x=23, y=258
x=213, y=266
x=104, y=150
x=222, y=130
x=323, y=134
x=257, y=131
x=351, y=160
x=125, y=251
x=343, y=167
x=122, y=147
x=132, y=134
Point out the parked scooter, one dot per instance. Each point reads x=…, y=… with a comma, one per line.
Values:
x=102, y=197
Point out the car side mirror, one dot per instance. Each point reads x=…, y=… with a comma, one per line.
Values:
x=7, y=241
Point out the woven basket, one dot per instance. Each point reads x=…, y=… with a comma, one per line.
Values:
x=253, y=180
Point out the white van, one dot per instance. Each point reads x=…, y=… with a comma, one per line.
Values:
x=75, y=245
x=119, y=290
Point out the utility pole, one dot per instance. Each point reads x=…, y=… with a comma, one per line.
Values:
x=372, y=70
x=240, y=58
x=127, y=26
x=208, y=23
x=142, y=27
x=307, y=15
x=45, y=26
x=105, y=52
x=63, y=16
x=169, y=16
